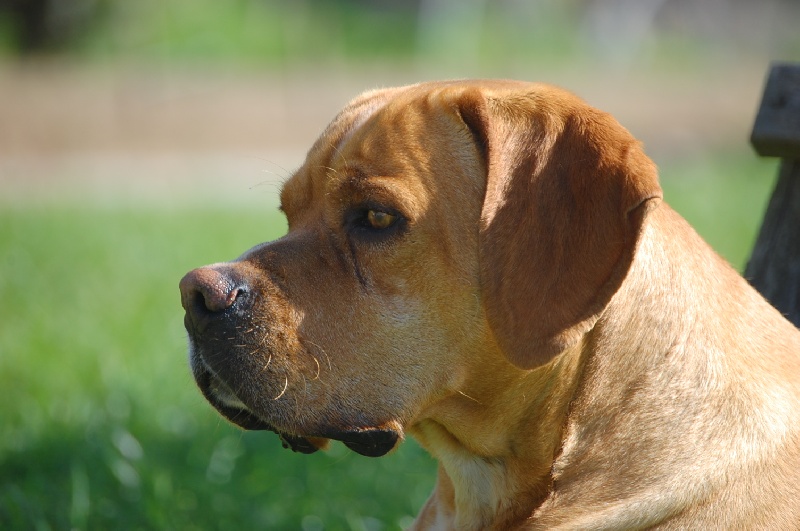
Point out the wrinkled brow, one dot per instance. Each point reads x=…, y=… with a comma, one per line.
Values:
x=296, y=193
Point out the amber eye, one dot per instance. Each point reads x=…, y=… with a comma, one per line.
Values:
x=380, y=220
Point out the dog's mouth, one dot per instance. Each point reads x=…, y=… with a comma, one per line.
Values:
x=224, y=400
x=367, y=441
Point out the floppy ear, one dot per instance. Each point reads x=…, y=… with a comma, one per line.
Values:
x=567, y=193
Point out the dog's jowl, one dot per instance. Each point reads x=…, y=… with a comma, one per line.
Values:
x=489, y=267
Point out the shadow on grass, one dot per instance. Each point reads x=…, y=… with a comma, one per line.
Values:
x=134, y=477
x=138, y=476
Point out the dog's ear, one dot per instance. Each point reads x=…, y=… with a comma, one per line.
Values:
x=567, y=193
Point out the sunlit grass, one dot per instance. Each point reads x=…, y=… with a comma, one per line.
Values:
x=724, y=197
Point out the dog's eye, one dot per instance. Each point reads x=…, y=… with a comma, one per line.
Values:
x=374, y=223
x=380, y=220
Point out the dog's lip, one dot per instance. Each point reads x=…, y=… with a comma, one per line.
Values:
x=367, y=441
x=219, y=394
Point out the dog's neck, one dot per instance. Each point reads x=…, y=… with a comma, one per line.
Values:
x=506, y=445
x=659, y=386
x=488, y=472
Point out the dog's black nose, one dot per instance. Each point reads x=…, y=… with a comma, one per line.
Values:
x=209, y=289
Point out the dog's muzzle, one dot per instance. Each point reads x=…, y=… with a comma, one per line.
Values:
x=211, y=297
x=215, y=299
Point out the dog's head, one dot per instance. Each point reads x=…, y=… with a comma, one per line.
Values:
x=435, y=230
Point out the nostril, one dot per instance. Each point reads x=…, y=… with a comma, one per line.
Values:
x=232, y=296
x=213, y=302
x=209, y=289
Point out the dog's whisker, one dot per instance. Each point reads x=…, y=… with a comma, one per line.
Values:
x=332, y=170
x=284, y=173
x=298, y=406
x=271, y=183
x=462, y=393
x=316, y=376
x=327, y=358
x=285, y=386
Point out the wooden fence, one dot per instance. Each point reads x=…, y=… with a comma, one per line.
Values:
x=774, y=265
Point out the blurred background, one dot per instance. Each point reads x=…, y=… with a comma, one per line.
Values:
x=141, y=139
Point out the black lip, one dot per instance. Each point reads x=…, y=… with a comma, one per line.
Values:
x=370, y=442
x=240, y=417
x=297, y=444
x=367, y=441
x=246, y=420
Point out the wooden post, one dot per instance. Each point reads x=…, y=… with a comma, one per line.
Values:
x=774, y=266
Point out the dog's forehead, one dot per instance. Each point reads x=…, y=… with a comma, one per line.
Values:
x=349, y=119
x=399, y=103
x=298, y=190
x=402, y=113
x=328, y=151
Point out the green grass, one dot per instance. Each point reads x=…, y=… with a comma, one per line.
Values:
x=724, y=197
x=101, y=426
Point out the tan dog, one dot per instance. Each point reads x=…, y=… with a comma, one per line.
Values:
x=488, y=267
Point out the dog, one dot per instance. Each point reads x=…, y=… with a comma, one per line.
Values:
x=489, y=267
